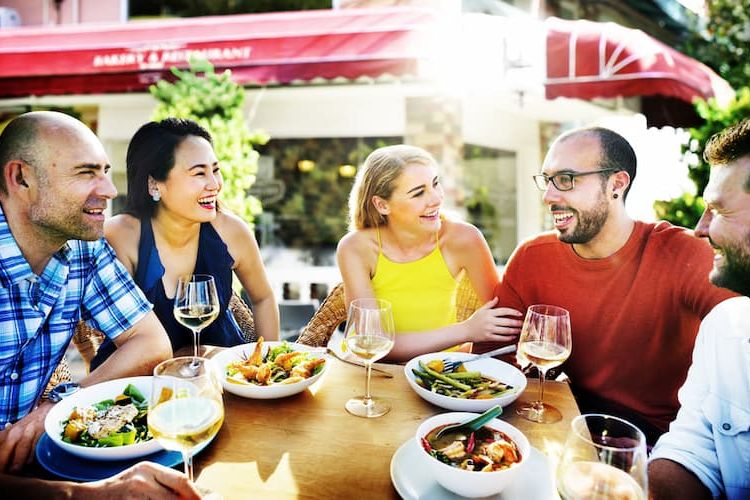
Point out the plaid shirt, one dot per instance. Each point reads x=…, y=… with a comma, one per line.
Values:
x=38, y=314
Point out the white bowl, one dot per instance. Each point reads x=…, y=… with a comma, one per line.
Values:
x=275, y=391
x=491, y=367
x=91, y=395
x=470, y=483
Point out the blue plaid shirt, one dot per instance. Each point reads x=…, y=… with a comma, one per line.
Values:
x=38, y=314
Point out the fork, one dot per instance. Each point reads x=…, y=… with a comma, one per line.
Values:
x=450, y=365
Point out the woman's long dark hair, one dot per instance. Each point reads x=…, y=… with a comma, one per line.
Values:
x=151, y=153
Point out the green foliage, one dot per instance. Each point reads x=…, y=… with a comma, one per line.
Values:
x=686, y=210
x=313, y=212
x=216, y=102
x=724, y=42
x=188, y=8
x=683, y=211
x=482, y=211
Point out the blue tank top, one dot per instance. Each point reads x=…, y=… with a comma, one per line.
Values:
x=214, y=259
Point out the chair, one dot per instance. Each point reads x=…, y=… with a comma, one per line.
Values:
x=332, y=312
x=293, y=316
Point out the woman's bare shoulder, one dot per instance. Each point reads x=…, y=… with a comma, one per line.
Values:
x=360, y=241
x=462, y=240
x=122, y=227
x=231, y=227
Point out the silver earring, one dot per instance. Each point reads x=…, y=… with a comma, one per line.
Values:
x=156, y=196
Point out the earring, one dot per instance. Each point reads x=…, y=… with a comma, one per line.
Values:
x=615, y=196
x=156, y=196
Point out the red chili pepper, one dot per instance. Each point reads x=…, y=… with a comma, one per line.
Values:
x=470, y=446
x=426, y=445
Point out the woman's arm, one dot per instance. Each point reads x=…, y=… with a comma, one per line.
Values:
x=123, y=233
x=356, y=256
x=249, y=268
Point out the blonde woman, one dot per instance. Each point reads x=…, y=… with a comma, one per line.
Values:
x=402, y=249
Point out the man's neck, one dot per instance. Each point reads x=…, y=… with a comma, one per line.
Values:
x=35, y=246
x=611, y=238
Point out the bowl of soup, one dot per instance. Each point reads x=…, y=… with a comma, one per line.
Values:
x=476, y=464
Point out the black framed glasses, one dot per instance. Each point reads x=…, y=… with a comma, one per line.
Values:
x=565, y=181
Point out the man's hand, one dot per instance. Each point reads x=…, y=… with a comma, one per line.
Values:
x=17, y=443
x=144, y=480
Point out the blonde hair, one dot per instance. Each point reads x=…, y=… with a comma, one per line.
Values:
x=377, y=177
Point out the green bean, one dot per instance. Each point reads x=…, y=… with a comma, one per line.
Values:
x=442, y=377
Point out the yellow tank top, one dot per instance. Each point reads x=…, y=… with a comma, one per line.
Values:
x=422, y=292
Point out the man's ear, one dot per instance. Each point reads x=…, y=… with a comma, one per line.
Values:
x=381, y=205
x=14, y=174
x=621, y=181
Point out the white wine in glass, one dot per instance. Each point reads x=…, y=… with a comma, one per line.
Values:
x=370, y=335
x=604, y=458
x=545, y=342
x=196, y=304
x=185, y=407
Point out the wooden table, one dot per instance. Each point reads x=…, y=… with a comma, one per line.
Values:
x=308, y=446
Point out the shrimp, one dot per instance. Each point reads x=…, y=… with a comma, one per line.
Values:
x=285, y=360
x=264, y=373
x=305, y=370
x=257, y=357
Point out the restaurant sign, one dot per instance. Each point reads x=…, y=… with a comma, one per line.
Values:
x=160, y=57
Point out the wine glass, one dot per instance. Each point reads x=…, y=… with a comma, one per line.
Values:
x=185, y=409
x=369, y=335
x=604, y=458
x=196, y=304
x=545, y=342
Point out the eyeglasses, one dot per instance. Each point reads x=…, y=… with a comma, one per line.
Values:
x=566, y=181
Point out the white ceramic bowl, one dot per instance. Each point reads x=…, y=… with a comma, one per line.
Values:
x=275, y=391
x=470, y=483
x=491, y=367
x=91, y=395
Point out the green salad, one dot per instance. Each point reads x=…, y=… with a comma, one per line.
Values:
x=113, y=422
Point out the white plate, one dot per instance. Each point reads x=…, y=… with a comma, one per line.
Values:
x=412, y=482
x=91, y=395
x=491, y=367
x=275, y=391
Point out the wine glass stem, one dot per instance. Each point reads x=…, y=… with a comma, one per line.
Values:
x=367, y=385
x=195, y=343
x=540, y=404
x=187, y=459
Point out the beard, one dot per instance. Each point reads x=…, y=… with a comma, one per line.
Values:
x=588, y=225
x=734, y=273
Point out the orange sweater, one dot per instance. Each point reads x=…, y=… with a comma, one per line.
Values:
x=634, y=315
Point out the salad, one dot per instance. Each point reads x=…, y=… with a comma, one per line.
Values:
x=280, y=365
x=113, y=422
x=458, y=383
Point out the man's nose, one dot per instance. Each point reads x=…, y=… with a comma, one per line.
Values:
x=106, y=188
x=551, y=194
x=701, y=229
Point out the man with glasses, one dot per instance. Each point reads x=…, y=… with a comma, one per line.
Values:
x=636, y=291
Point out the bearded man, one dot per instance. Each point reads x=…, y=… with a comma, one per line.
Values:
x=636, y=291
x=706, y=453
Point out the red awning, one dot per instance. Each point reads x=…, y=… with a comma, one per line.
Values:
x=586, y=60
x=259, y=48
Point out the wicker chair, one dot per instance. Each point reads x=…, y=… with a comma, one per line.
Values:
x=332, y=312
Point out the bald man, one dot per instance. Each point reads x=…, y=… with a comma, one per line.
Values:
x=55, y=269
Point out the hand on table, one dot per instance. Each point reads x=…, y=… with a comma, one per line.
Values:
x=143, y=480
x=17, y=442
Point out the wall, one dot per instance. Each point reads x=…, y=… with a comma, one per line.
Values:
x=43, y=12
